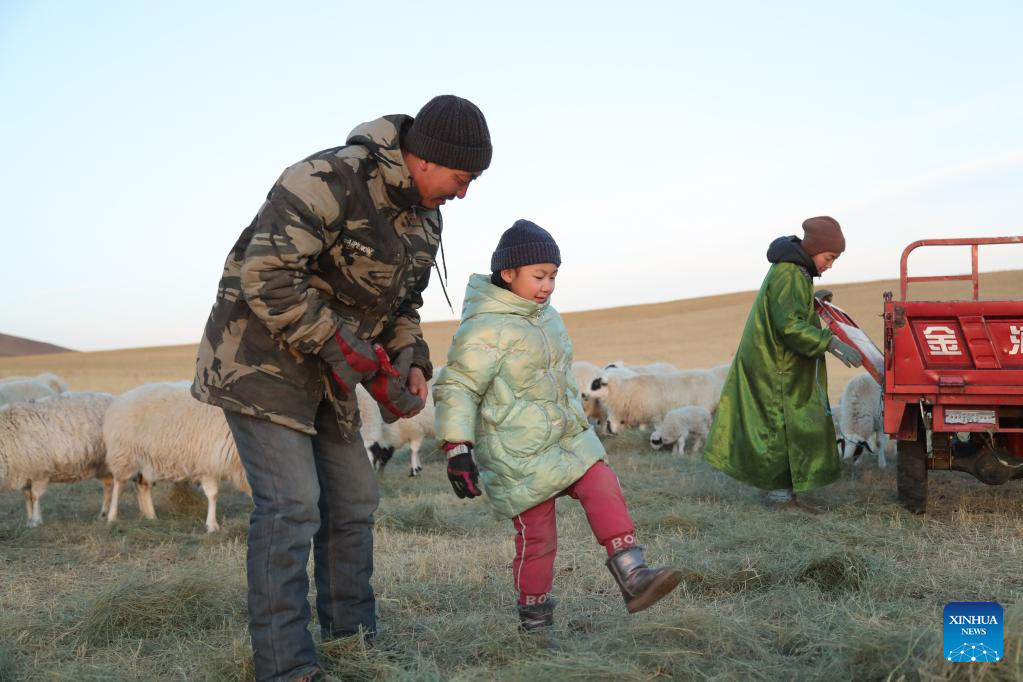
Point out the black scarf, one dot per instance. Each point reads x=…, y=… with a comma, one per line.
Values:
x=790, y=250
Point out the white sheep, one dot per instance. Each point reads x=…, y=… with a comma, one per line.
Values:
x=860, y=419
x=646, y=398
x=685, y=429
x=652, y=368
x=412, y=431
x=48, y=378
x=721, y=371
x=159, y=432
x=57, y=439
x=371, y=429
x=22, y=389
x=585, y=373
x=381, y=439
x=596, y=386
x=836, y=417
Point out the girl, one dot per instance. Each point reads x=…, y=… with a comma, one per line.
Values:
x=508, y=396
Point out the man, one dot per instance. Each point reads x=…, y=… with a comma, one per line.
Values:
x=321, y=293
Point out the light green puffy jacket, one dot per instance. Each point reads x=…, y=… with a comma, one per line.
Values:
x=508, y=388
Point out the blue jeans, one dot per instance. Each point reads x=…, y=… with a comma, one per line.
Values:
x=320, y=488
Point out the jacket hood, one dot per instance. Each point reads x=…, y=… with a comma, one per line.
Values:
x=382, y=137
x=789, y=250
x=482, y=296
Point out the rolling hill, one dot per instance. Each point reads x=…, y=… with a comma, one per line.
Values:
x=14, y=346
x=696, y=332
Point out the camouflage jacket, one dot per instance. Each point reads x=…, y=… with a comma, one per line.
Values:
x=340, y=240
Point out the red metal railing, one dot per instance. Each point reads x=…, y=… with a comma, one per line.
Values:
x=974, y=243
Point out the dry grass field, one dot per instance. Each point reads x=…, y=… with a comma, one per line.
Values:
x=853, y=593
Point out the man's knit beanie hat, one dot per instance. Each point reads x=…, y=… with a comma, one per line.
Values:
x=524, y=243
x=451, y=131
x=821, y=234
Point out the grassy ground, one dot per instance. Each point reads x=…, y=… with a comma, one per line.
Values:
x=854, y=593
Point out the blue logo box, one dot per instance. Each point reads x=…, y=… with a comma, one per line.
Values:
x=972, y=632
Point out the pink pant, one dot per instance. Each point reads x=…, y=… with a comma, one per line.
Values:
x=536, y=538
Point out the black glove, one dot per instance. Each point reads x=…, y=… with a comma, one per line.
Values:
x=844, y=352
x=389, y=386
x=462, y=471
x=351, y=359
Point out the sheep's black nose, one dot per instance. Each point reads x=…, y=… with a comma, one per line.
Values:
x=655, y=441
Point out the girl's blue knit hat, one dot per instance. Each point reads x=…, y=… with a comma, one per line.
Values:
x=524, y=243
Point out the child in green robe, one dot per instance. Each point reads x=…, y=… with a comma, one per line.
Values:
x=772, y=428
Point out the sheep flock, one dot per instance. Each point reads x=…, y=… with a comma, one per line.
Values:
x=157, y=432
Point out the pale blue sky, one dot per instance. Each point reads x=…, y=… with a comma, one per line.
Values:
x=663, y=144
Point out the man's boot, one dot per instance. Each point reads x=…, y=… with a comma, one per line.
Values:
x=536, y=616
x=641, y=585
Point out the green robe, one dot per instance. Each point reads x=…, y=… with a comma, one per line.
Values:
x=772, y=429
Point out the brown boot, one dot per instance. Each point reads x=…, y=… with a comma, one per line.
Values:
x=641, y=585
x=536, y=616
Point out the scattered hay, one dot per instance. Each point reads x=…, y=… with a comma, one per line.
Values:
x=13, y=664
x=835, y=573
x=352, y=658
x=582, y=665
x=138, y=607
x=422, y=517
x=797, y=645
x=630, y=441
x=230, y=663
x=746, y=579
x=677, y=522
x=689, y=629
x=185, y=499
x=892, y=657
x=14, y=533
x=139, y=534
x=855, y=594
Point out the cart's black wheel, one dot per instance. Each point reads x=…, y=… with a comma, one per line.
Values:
x=911, y=474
